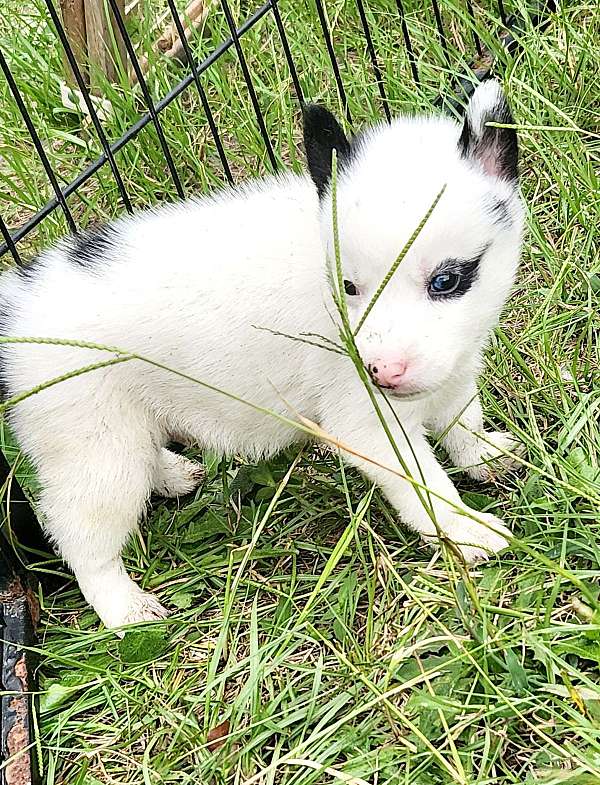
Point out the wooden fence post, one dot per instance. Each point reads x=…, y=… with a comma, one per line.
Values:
x=95, y=39
x=102, y=34
x=73, y=15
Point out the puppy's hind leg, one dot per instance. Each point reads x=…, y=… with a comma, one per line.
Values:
x=94, y=493
x=176, y=475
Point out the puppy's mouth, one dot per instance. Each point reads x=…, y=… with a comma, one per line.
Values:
x=410, y=394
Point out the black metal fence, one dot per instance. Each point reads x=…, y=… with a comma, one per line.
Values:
x=483, y=62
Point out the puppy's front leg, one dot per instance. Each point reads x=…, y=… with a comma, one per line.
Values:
x=481, y=454
x=424, y=512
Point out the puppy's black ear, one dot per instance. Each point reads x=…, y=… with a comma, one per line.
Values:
x=495, y=150
x=323, y=134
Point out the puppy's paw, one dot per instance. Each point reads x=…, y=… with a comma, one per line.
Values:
x=476, y=541
x=491, y=460
x=177, y=475
x=135, y=607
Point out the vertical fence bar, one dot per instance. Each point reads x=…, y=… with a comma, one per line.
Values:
x=476, y=40
x=440, y=29
x=202, y=94
x=408, y=43
x=147, y=97
x=37, y=143
x=287, y=51
x=373, y=56
x=75, y=70
x=502, y=12
x=332, y=58
x=249, y=84
x=9, y=241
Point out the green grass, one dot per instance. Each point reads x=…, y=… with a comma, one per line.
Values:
x=332, y=641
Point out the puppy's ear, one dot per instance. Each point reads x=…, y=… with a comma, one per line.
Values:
x=495, y=150
x=322, y=135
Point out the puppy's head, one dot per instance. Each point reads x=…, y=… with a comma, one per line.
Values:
x=436, y=311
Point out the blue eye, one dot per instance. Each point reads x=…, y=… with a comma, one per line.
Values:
x=444, y=283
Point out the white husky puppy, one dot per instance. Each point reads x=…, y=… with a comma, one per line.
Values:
x=189, y=284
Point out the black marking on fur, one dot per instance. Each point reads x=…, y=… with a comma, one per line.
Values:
x=322, y=135
x=359, y=139
x=496, y=150
x=90, y=247
x=30, y=270
x=467, y=269
x=500, y=213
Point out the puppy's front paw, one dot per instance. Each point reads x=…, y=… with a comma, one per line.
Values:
x=135, y=607
x=476, y=541
x=492, y=459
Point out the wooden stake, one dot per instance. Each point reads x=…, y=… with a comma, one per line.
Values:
x=169, y=44
x=101, y=34
x=73, y=16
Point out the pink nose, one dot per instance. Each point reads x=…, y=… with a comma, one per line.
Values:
x=388, y=374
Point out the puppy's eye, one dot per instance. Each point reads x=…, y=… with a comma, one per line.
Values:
x=444, y=283
x=350, y=288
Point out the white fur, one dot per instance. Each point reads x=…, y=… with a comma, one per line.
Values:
x=189, y=285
